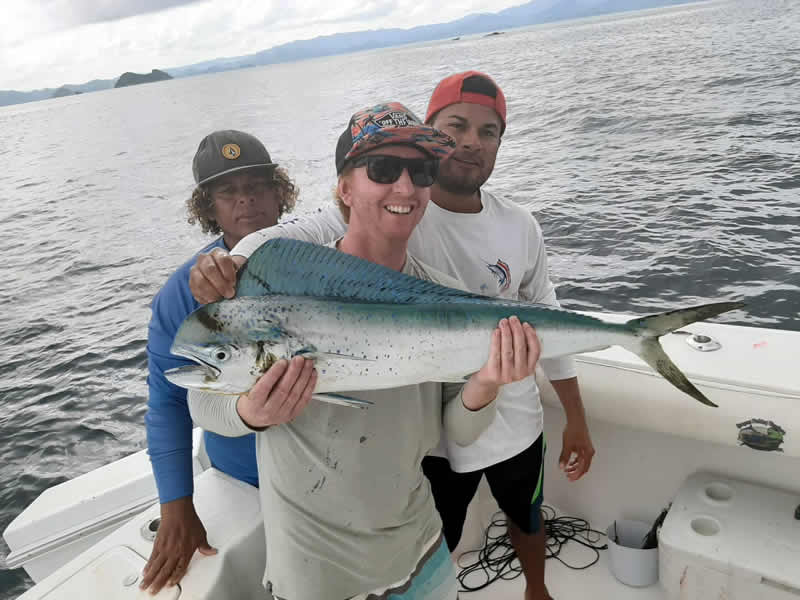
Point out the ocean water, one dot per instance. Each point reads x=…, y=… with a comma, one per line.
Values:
x=660, y=151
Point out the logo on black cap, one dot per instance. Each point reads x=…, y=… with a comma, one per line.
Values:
x=231, y=151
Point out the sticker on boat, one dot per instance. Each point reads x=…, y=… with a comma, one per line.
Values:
x=761, y=434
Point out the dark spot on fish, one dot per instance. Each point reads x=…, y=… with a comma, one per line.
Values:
x=362, y=439
x=209, y=321
x=319, y=485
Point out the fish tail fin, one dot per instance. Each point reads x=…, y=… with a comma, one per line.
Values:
x=645, y=344
x=651, y=352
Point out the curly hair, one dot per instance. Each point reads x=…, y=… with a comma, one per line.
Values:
x=201, y=205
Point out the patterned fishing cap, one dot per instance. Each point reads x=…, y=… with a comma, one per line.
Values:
x=389, y=124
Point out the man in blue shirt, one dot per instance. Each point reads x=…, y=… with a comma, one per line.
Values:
x=238, y=190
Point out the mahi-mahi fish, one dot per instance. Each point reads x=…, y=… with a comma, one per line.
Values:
x=370, y=327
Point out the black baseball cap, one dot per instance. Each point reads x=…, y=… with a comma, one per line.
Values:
x=228, y=151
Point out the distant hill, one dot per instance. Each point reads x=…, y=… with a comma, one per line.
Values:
x=12, y=97
x=129, y=78
x=530, y=13
x=64, y=91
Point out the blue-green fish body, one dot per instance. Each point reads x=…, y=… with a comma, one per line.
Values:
x=369, y=327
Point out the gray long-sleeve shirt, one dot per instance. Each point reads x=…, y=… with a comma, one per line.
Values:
x=346, y=506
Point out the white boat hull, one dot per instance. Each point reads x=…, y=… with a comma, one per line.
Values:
x=649, y=438
x=754, y=377
x=112, y=568
x=68, y=519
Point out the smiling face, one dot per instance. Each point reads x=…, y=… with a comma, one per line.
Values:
x=243, y=203
x=476, y=130
x=384, y=211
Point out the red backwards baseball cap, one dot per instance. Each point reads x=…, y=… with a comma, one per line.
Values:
x=472, y=87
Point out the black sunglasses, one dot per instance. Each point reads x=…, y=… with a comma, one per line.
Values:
x=387, y=169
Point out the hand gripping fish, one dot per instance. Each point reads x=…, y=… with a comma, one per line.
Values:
x=370, y=327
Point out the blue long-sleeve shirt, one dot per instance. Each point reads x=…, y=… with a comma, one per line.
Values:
x=168, y=423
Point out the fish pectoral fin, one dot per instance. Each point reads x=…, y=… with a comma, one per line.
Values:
x=317, y=354
x=342, y=400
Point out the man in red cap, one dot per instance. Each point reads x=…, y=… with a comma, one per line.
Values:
x=495, y=247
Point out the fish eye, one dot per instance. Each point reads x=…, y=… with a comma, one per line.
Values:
x=222, y=354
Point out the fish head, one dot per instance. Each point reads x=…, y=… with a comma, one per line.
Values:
x=229, y=359
x=225, y=368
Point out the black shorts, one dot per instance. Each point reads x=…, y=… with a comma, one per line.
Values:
x=516, y=484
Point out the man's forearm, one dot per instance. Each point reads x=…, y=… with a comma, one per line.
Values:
x=179, y=505
x=169, y=446
x=319, y=228
x=462, y=424
x=569, y=394
x=217, y=413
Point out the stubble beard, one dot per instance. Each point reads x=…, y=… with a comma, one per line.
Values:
x=460, y=186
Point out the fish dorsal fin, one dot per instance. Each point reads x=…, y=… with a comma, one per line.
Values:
x=295, y=268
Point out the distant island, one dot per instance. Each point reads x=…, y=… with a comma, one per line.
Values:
x=489, y=24
x=129, y=78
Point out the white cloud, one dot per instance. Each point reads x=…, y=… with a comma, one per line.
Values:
x=80, y=12
x=53, y=42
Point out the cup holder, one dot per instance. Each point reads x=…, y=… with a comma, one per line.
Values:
x=705, y=526
x=150, y=529
x=718, y=493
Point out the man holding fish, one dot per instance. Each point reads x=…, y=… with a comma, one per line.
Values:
x=495, y=248
x=347, y=510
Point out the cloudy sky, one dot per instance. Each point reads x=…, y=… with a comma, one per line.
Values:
x=48, y=43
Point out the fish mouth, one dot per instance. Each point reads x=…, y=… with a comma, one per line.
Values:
x=197, y=376
x=193, y=377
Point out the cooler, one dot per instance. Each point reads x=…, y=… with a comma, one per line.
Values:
x=730, y=539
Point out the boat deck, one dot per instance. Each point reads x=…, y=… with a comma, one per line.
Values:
x=563, y=582
x=567, y=584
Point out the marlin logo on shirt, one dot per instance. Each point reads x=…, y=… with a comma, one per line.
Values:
x=502, y=273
